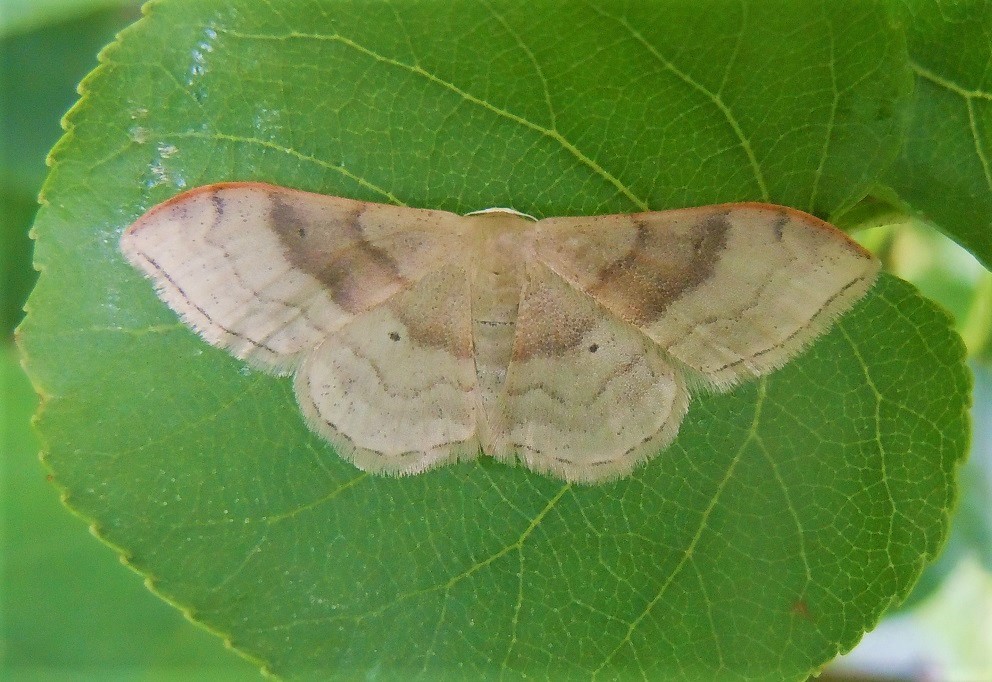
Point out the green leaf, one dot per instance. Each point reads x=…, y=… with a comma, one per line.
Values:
x=68, y=604
x=977, y=327
x=17, y=274
x=944, y=171
x=973, y=521
x=970, y=536
x=944, y=272
x=22, y=16
x=40, y=70
x=785, y=519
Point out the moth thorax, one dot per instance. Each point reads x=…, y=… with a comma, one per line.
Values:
x=502, y=234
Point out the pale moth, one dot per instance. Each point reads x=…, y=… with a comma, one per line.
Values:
x=419, y=338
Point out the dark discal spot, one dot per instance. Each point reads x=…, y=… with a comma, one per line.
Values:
x=593, y=348
x=394, y=336
x=302, y=232
x=661, y=267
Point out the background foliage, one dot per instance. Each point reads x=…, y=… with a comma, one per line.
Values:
x=68, y=609
x=250, y=134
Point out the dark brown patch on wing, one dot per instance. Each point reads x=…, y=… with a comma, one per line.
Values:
x=445, y=334
x=356, y=276
x=436, y=312
x=661, y=267
x=284, y=218
x=548, y=325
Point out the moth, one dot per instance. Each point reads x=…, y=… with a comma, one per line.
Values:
x=419, y=337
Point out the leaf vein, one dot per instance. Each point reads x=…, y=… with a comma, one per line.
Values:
x=338, y=168
x=714, y=97
x=417, y=70
x=969, y=97
x=703, y=521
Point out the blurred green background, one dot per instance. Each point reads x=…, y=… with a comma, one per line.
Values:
x=70, y=611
